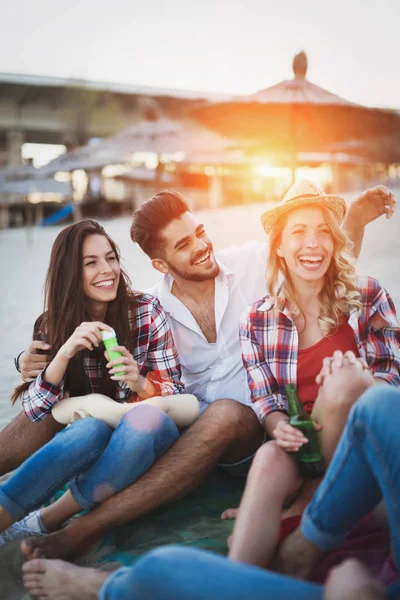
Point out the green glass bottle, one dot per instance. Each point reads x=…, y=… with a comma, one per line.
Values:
x=309, y=458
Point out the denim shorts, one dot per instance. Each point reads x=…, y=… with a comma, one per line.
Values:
x=241, y=467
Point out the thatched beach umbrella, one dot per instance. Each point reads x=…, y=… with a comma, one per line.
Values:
x=158, y=135
x=296, y=115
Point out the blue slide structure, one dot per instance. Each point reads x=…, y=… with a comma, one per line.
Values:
x=58, y=215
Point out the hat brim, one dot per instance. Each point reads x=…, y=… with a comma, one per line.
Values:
x=336, y=204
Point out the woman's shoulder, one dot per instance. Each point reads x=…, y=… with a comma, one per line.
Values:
x=140, y=303
x=369, y=288
x=264, y=305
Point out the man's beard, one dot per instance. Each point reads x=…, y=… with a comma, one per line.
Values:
x=190, y=274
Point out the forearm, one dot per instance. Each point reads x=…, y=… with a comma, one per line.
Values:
x=354, y=228
x=272, y=421
x=55, y=372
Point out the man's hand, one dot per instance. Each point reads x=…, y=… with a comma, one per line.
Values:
x=351, y=581
x=373, y=203
x=31, y=364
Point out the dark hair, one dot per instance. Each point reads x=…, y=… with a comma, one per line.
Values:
x=65, y=305
x=152, y=217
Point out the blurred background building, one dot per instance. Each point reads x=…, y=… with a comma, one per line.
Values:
x=73, y=148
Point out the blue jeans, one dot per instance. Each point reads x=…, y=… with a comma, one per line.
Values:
x=364, y=469
x=176, y=573
x=100, y=461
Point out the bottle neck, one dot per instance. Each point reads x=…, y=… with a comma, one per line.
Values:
x=295, y=407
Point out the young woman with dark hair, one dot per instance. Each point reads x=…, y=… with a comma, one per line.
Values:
x=86, y=291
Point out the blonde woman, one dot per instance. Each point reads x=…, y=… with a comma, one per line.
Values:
x=317, y=311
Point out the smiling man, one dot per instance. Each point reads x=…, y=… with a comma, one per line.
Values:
x=203, y=296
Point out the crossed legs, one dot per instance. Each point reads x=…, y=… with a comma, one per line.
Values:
x=226, y=432
x=273, y=477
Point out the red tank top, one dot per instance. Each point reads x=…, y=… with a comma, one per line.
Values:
x=310, y=361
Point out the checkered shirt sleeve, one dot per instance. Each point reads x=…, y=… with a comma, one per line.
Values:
x=155, y=350
x=40, y=397
x=265, y=390
x=380, y=346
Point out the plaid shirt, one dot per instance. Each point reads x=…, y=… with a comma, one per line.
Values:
x=154, y=352
x=270, y=345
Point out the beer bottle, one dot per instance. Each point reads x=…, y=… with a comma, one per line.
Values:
x=309, y=457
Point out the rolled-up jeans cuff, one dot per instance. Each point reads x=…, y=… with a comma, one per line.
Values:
x=14, y=509
x=323, y=540
x=77, y=496
x=110, y=582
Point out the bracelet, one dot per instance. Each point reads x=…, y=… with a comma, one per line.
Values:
x=16, y=361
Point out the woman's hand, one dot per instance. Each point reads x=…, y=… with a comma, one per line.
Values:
x=87, y=335
x=338, y=360
x=128, y=366
x=287, y=437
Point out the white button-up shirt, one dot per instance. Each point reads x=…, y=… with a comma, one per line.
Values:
x=212, y=371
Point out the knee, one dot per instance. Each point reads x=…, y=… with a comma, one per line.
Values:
x=149, y=421
x=89, y=435
x=227, y=413
x=158, y=565
x=271, y=461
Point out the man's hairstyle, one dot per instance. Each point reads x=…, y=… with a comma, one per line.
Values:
x=152, y=217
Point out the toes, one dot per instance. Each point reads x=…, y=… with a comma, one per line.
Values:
x=34, y=566
x=29, y=550
x=35, y=589
x=230, y=513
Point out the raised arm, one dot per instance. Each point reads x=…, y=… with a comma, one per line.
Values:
x=373, y=203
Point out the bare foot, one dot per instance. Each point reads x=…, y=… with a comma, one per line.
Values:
x=352, y=581
x=230, y=513
x=59, y=580
x=297, y=556
x=60, y=544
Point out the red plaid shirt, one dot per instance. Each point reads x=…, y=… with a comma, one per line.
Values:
x=270, y=345
x=154, y=352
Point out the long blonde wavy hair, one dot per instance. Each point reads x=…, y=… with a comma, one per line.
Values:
x=339, y=293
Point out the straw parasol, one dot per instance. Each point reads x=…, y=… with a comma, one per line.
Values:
x=159, y=135
x=296, y=115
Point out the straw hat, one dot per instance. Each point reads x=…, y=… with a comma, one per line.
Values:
x=304, y=193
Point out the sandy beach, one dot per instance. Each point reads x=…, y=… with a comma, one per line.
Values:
x=24, y=256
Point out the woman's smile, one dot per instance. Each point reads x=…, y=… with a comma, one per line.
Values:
x=311, y=262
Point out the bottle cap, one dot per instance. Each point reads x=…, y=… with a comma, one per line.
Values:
x=107, y=335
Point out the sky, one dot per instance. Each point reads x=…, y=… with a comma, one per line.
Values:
x=225, y=46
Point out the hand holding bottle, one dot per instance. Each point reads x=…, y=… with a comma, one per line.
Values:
x=124, y=368
x=287, y=437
